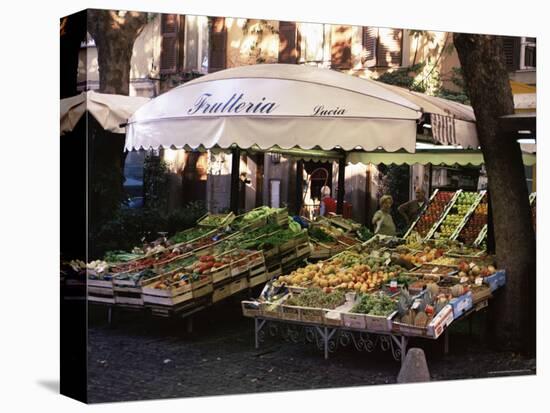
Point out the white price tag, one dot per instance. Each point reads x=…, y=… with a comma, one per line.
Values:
x=393, y=284
x=463, y=280
x=415, y=305
x=479, y=281
x=387, y=262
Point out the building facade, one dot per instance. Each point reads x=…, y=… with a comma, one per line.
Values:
x=173, y=49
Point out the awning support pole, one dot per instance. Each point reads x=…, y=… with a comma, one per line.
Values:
x=235, y=165
x=299, y=185
x=341, y=186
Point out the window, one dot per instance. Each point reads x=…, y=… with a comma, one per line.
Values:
x=520, y=53
x=528, y=53
x=382, y=47
x=315, y=44
x=196, y=44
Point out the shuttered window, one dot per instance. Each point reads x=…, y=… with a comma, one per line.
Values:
x=530, y=53
x=218, y=45
x=370, y=46
x=341, y=47
x=511, y=49
x=382, y=47
x=289, y=42
x=170, y=48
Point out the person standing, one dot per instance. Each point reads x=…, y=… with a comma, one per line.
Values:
x=382, y=219
x=410, y=210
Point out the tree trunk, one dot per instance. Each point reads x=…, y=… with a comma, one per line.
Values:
x=72, y=33
x=114, y=33
x=488, y=87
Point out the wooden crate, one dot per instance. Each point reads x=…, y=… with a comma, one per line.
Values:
x=205, y=279
x=220, y=274
x=202, y=291
x=379, y=324
x=220, y=292
x=312, y=315
x=238, y=285
x=167, y=297
x=100, y=291
x=251, y=308
x=271, y=310
x=274, y=271
x=303, y=250
x=290, y=312
x=258, y=279
x=354, y=320
x=271, y=253
x=289, y=256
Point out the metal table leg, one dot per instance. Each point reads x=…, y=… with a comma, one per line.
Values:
x=258, y=325
x=446, y=342
x=401, y=345
x=109, y=315
x=190, y=324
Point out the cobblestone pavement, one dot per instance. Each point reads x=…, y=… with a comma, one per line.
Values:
x=140, y=357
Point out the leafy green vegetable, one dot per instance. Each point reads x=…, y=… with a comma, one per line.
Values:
x=320, y=235
x=375, y=304
x=317, y=298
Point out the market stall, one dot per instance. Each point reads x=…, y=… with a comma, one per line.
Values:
x=380, y=293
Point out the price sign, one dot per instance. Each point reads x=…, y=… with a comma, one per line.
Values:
x=415, y=305
x=387, y=262
x=479, y=281
x=393, y=284
x=463, y=280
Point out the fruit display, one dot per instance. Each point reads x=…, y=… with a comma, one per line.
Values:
x=475, y=223
x=472, y=270
x=433, y=212
x=457, y=213
x=317, y=298
x=336, y=275
x=427, y=255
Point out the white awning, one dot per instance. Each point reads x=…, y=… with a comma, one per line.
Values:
x=109, y=110
x=267, y=105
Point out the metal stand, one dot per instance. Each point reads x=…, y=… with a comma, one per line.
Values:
x=109, y=315
x=326, y=335
x=258, y=325
x=401, y=346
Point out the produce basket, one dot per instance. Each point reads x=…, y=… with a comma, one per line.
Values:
x=216, y=220
x=168, y=296
x=221, y=291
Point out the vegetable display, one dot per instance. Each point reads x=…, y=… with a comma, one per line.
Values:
x=315, y=297
x=375, y=304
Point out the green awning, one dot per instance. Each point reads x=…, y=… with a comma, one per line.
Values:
x=434, y=157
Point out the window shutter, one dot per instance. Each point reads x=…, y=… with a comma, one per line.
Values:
x=169, y=25
x=530, y=52
x=289, y=42
x=370, y=45
x=390, y=44
x=511, y=49
x=217, y=60
x=341, y=47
